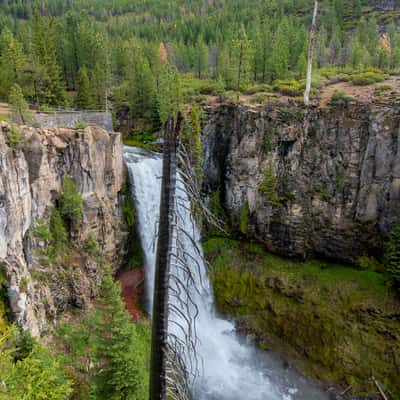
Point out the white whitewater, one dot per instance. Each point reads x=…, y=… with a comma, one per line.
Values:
x=232, y=368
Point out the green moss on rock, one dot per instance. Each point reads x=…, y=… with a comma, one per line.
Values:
x=337, y=323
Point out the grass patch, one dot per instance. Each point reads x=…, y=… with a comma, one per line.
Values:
x=143, y=139
x=367, y=78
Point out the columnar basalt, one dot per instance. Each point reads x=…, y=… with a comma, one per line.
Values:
x=337, y=170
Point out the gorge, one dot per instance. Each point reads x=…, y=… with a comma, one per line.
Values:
x=337, y=184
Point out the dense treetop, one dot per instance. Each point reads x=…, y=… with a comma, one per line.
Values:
x=78, y=52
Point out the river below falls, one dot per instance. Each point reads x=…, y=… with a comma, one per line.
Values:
x=232, y=367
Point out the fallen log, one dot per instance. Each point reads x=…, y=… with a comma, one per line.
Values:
x=378, y=386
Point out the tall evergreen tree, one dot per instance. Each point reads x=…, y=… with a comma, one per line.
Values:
x=13, y=63
x=84, y=96
x=19, y=105
x=121, y=372
x=169, y=96
x=49, y=87
x=201, y=58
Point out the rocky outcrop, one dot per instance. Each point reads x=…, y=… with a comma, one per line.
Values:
x=337, y=170
x=31, y=175
x=384, y=5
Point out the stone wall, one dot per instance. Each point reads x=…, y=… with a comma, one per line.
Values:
x=72, y=119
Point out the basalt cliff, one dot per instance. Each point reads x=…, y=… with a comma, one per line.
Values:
x=33, y=165
x=337, y=173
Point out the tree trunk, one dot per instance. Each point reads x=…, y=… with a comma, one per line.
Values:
x=158, y=385
x=239, y=71
x=310, y=55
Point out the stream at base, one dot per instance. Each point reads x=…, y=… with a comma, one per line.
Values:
x=233, y=368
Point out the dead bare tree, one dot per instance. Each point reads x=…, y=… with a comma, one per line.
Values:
x=310, y=55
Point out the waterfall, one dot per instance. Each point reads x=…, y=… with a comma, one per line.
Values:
x=232, y=368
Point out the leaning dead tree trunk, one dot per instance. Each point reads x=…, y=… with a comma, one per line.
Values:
x=310, y=55
x=159, y=344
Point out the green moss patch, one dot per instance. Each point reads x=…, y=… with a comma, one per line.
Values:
x=336, y=322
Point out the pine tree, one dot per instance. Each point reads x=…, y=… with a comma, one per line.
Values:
x=392, y=254
x=13, y=63
x=121, y=372
x=169, y=96
x=280, y=53
x=191, y=139
x=241, y=59
x=99, y=86
x=84, y=96
x=201, y=58
x=37, y=375
x=143, y=87
x=19, y=105
x=49, y=87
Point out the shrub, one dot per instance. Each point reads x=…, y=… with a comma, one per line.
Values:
x=80, y=126
x=392, y=254
x=268, y=187
x=15, y=137
x=382, y=89
x=91, y=246
x=370, y=264
x=128, y=210
x=42, y=232
x=289, y=87
x=244, y=218
x=58, y=234
x=340, y=97
x=70, y=203
x=367, y=78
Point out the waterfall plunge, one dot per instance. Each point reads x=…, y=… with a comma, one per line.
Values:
x=231, y=370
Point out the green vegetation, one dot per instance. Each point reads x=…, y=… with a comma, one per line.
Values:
x=244, y=218
x=70, y=204
x=343, y=313
x=4, y=308
x=129, y=211
x=57, y=235
x=143, y=139
x=340, y=97
x=19, y=105
x=36, y=375
x=191, y=141
x=367, y=78
x=268, y=187
x=106, y=354
x=91, y=246
x=150, y=57
x=15, y=137
x=392, y=255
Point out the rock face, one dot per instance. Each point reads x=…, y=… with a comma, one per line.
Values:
x=384, y=5
x=31, y=175
x=337, y=170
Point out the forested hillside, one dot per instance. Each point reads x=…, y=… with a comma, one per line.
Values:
x=77, y=53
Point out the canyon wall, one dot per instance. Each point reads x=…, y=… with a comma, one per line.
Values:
x=337, y=175
x=32, y=171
